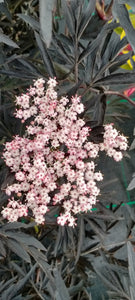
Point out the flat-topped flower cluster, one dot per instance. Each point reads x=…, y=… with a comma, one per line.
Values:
x=53, y=162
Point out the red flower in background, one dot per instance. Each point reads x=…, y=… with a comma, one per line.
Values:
x=129, y=91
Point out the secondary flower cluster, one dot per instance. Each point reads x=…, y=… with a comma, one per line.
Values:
x=53, y=162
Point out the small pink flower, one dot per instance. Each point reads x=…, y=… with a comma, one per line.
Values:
x=80, y=165
x=98, y=176
x=61, y=220
x=79, y=108
x=117, y=156
x=20, y=176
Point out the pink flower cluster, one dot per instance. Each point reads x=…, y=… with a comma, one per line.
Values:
x=53, y=162
x=113, y=143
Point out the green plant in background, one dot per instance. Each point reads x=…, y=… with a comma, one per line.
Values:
x=83, y=51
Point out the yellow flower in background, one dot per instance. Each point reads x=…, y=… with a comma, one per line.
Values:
x=128, y=6
x=128, y=48
x=107, y=15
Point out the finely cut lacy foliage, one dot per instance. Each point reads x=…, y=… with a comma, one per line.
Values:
x=53, y=162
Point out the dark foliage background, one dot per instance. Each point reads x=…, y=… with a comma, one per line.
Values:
x=96, y=259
